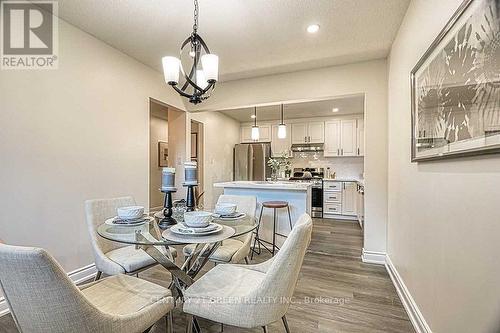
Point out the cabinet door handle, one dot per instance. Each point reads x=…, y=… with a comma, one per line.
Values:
x=338, y=151
x=305, y=139
x=342, y=151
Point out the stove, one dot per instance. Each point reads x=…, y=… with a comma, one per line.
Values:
x=314, y=176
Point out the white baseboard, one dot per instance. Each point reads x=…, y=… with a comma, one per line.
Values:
x=77, y=276
x=373, y=257
x=416, y=317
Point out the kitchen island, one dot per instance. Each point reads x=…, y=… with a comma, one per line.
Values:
x=298, y=196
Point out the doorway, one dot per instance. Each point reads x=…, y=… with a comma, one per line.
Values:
x=167, y=148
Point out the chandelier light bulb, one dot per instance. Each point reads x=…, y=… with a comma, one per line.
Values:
x=171, y=66
x=201, y=80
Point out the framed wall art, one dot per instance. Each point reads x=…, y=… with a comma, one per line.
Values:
x=455, y=87
x=162, y=154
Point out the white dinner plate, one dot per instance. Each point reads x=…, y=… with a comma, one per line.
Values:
x=180, y=229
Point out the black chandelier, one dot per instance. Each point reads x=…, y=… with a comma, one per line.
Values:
x=200, y=81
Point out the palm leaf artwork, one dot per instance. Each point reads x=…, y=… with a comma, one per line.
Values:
x=487, y=67
x=457, y=83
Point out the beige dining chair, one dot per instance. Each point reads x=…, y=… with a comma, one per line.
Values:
x=113, y=258
x=237, y=249
x=250, y=296
x=43, y=299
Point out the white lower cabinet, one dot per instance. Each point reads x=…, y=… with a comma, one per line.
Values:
x=349, y=199
x=339, y=199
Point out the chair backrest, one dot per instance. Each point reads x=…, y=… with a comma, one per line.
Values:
x=281, y=277
x=246, y=203
x=40, y=295
x=97, y=211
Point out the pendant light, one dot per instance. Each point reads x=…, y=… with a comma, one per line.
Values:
x=255, y=128
x=282, y=126
x=204, y=71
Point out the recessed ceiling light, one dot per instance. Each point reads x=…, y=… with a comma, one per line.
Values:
x=252, y=116
x=335, y=110
x=313, y=28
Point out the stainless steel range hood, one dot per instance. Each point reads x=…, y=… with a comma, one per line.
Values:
x=308, y=147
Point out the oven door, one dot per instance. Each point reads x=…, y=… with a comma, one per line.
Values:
x=317, y=201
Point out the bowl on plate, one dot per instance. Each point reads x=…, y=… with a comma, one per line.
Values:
x=197, y=219
x=225, y=208
x=130, y=212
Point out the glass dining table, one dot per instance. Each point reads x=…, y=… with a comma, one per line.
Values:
x=158, y=243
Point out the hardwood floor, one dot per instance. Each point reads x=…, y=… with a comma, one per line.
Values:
x=336, y=292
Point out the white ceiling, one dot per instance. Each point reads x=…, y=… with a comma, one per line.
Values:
x=346, y=105
x=251, y=37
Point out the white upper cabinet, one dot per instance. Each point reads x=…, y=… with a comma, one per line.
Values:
x=316, y=132
x=344, y=137
x=349, y=199
x=264, y=134
x=279, y=146
x=309, y=132
x=361, y=137
x=348, y=144
x=332, y=138
x=246, y=134
x=299, y=133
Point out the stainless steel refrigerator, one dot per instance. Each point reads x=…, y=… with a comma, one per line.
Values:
x=250, y=161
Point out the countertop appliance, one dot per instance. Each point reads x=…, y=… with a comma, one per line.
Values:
x=314, y=176
x=250, y=161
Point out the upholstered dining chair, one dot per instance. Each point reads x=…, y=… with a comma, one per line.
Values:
x=236, y=294
x=232, y=250
x=113, y=258
x=43, y=299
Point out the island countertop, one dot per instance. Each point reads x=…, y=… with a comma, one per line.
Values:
x=266, y=185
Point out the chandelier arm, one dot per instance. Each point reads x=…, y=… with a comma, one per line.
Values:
x=182, y=93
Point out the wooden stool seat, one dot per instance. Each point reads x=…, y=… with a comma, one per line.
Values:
x=275, y=204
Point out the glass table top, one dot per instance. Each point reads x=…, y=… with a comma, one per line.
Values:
x=150, y=234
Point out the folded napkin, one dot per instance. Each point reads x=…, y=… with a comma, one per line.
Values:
x=184, y=228
x=118, y=220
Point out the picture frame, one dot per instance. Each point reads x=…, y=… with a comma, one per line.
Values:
x=162, y=154
x=455, y=87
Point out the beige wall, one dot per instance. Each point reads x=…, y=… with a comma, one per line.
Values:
x=72, y=134
x=369, y=78
x=158, y=131
x=443, y=233
x=220, y=134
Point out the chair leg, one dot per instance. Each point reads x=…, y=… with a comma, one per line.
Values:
x=264, y=328
x=256, y=240
x=285, y=323
x=246, y=260
x=98, y=275
x=274, y=231
x=289, y=217
x=221, y=327
x=169, y=321
x=189, y=324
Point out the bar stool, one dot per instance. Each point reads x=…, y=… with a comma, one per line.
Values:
x=275, y=205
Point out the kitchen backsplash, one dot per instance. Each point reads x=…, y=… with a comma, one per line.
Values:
x=345, y=167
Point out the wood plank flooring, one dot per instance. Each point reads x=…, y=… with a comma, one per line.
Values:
x=336, y=292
